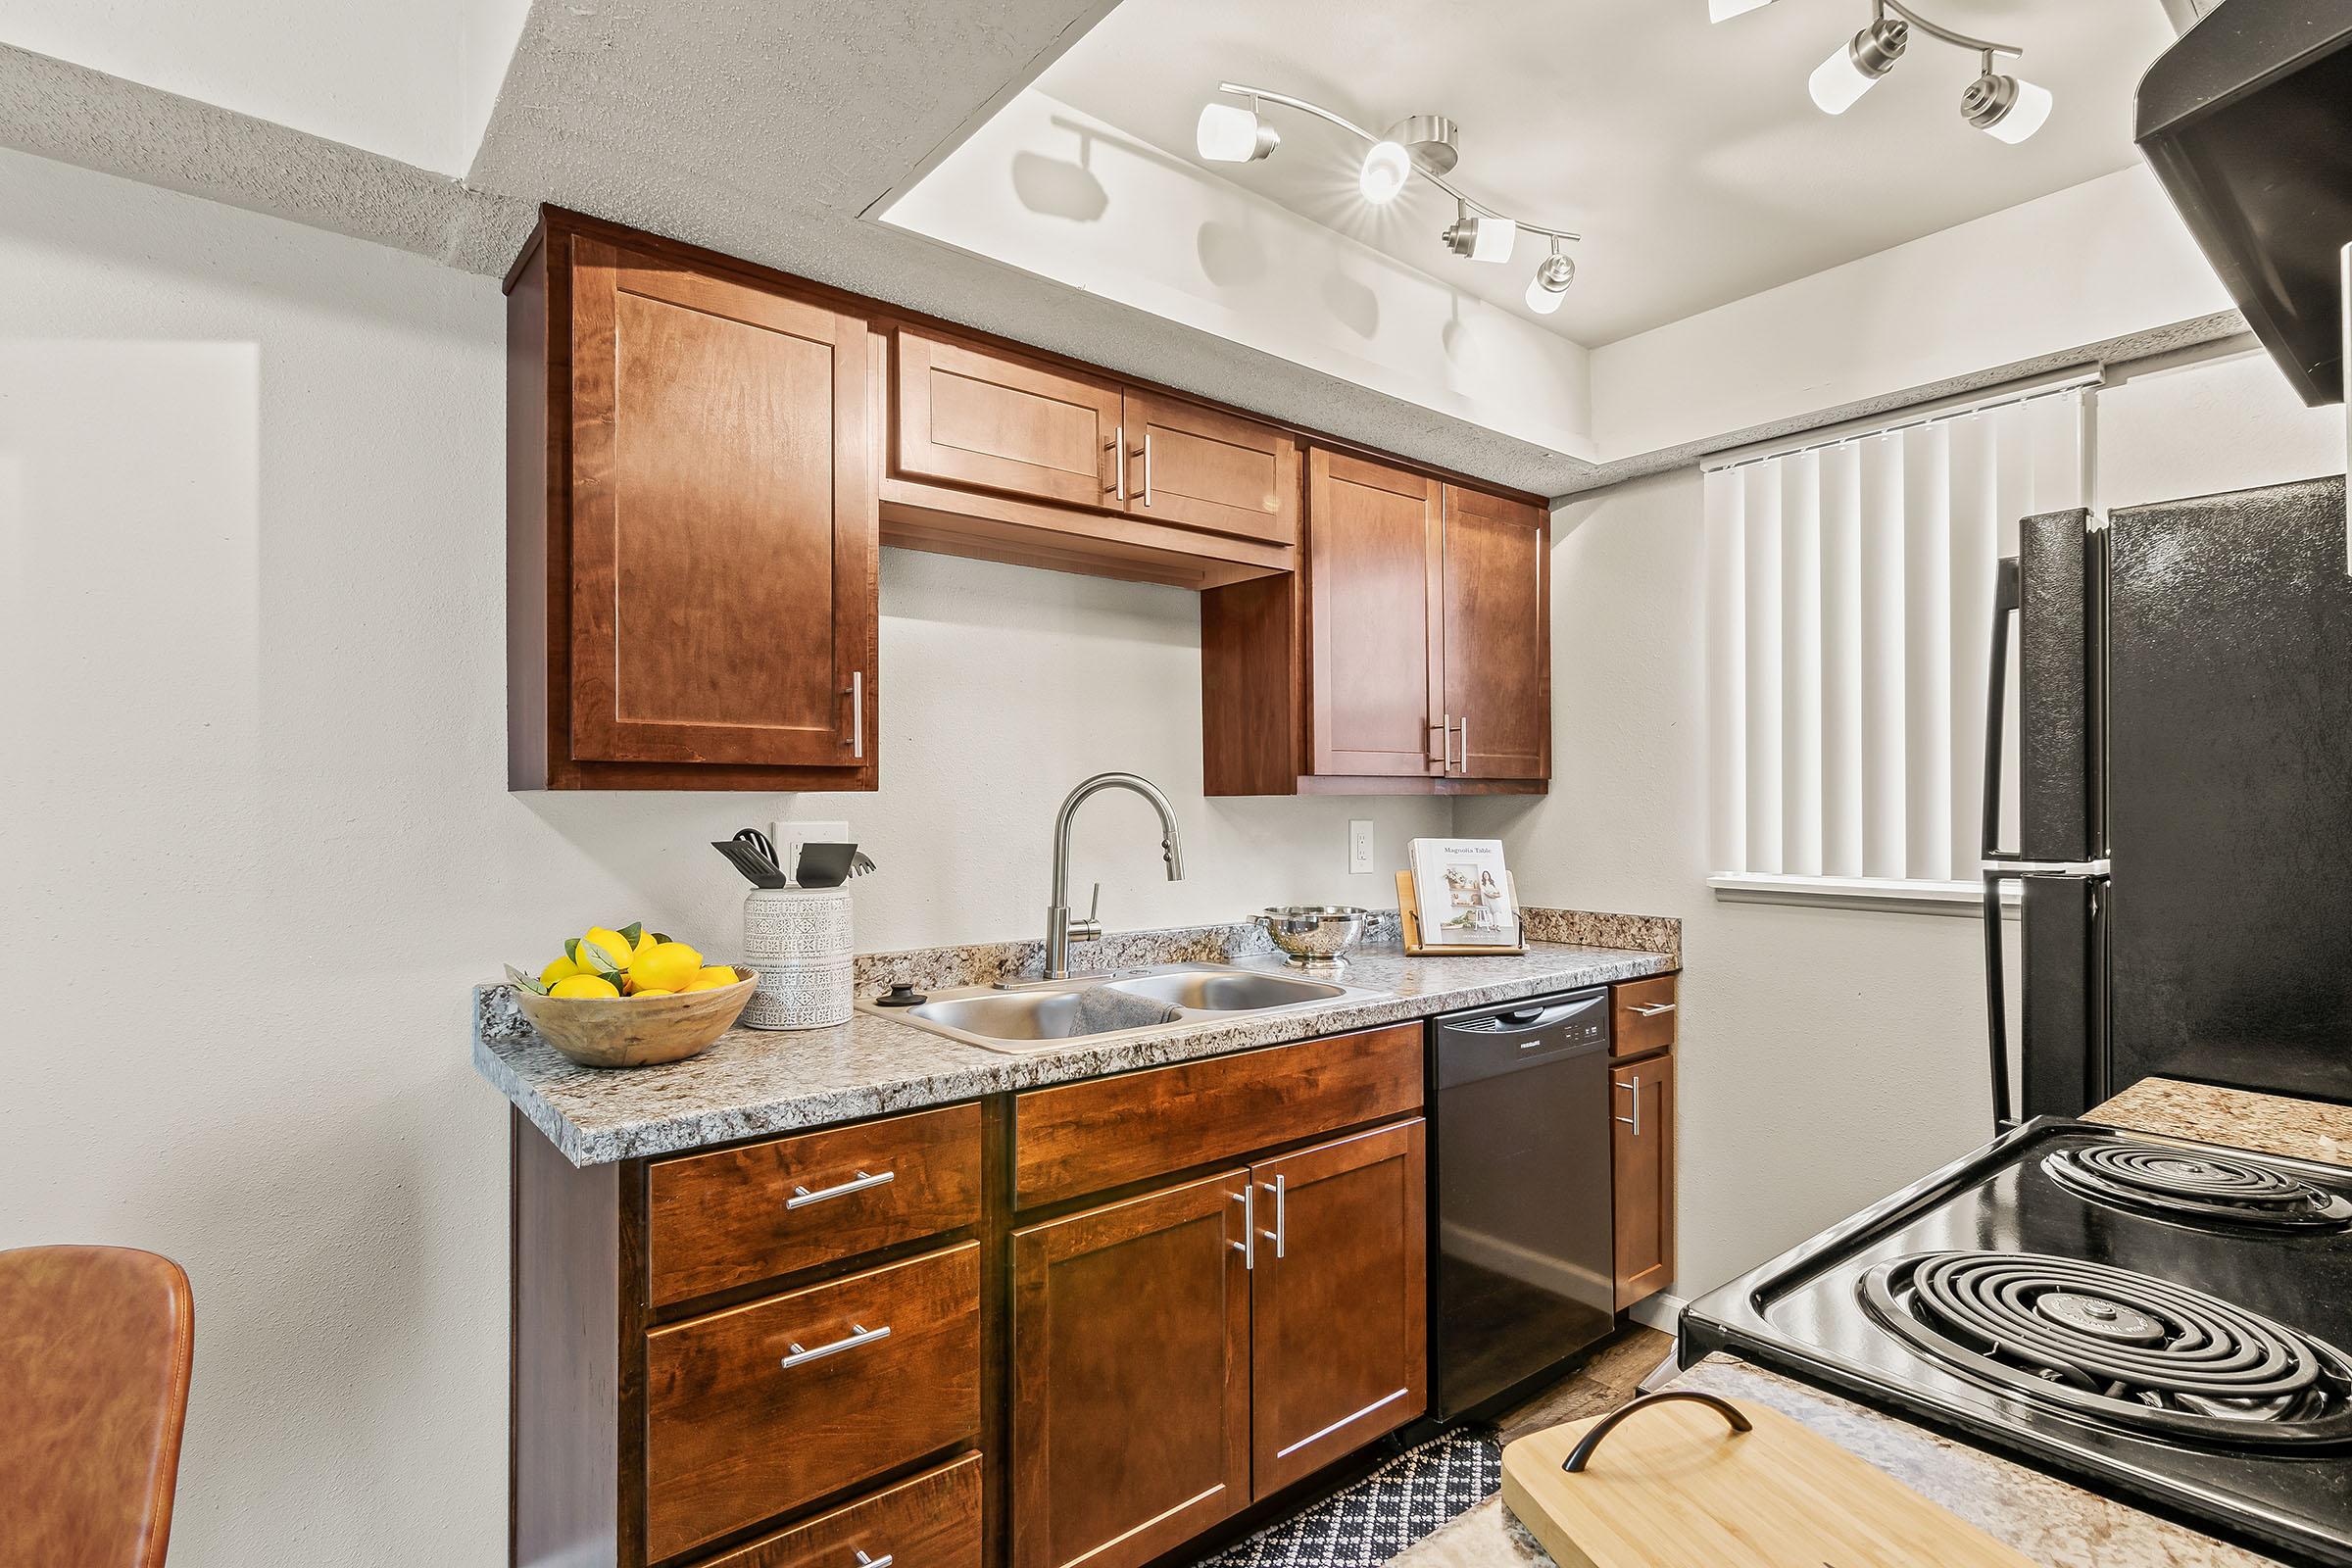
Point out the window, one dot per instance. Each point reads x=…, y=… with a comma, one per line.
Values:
x=1850, y=613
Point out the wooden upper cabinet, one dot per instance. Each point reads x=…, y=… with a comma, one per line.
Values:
x=1641, y=1111
x=1498, y=638
x=1130, y=1376
x=1375, y=563
x=1339, y=1285
x=1200, y=469
x=976, y=417
x=692, y=535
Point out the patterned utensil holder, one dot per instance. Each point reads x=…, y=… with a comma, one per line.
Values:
x=799, y=940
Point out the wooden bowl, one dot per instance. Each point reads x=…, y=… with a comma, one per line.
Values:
x=637, y=1031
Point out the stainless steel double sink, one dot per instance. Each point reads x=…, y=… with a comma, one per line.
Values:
x=1045, y=1016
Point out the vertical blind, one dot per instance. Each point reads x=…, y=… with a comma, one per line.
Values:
x=1849, y=616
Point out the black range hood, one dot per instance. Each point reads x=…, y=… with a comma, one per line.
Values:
x=2248, y=122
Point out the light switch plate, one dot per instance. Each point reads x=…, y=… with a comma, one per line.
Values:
x=788, y=837
x=1359, y=846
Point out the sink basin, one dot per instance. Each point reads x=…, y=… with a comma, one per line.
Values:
x=1228, y=991
x=1003, y=1015
x=1039, y=1016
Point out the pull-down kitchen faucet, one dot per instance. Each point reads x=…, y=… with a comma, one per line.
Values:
x=1060, y=929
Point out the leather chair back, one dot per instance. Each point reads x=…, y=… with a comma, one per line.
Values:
x=94, y=1350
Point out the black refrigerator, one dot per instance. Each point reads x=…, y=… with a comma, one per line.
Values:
x=2185, y=833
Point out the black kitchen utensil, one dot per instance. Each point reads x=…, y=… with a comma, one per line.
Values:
x=762, y=843
x=825, y=865
x=861, y=863
x=757, y=869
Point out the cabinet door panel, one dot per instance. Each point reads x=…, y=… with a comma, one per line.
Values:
x=1375, y=538
x=1339, y=1350
x=723, y=517
x=1642, y=1107
x=1497, y=653
x=971, y=417
x=1205, y=469
x=1130, y=1376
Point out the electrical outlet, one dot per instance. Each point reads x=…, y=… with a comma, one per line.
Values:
x=1359, y=846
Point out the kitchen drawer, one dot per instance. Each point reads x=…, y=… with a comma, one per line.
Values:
x=1641, y=1016
x=762, y=1408
x=738, y=1216
x=932, y=1521
x=1089, y=1136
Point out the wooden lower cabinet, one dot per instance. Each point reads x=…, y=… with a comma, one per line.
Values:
x=1339, y=1348
x=1130, y=1375
x=1642, y=1122
x=1181, y=1353
x=760, y=1410
x=932, y=1521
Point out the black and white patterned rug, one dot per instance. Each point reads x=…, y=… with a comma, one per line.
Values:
x=1381, y=1514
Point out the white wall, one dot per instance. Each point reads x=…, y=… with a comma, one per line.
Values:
x=1049, y=189
x=2097, y=261
x=1827, y=1056
x=255, y=843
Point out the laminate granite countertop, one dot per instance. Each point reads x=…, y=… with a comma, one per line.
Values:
x=753, y=1082
x=2235, y=1119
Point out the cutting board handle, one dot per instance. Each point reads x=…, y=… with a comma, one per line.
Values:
x=1582, y=1454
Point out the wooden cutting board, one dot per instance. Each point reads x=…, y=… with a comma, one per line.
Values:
x=1674, y=1487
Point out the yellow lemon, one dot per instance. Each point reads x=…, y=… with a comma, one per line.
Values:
x=611, y=943
x=652, y=991
x=561, y=969
x=583, y=985
x=665, y=966
x=712, y=979
x=645, y=942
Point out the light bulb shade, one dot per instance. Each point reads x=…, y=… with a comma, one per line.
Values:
x=1838, y=82
x=1725, y=10
x=1483, y=239
x=1495, y=240
x=1228, y=134
x=1549, y=286
x=1386, y=168
x=2006, y=108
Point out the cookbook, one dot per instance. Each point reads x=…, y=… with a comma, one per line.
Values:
x=1463, y=893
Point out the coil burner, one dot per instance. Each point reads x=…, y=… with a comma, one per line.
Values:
x=2115, y=1347
x=2196, y=1187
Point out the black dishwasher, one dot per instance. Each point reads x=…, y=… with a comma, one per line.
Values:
x=1522, y=1254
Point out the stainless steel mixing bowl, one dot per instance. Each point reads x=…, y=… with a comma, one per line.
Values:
x=1316, y=936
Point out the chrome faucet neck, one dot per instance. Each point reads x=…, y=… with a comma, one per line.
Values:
x=1060, y=929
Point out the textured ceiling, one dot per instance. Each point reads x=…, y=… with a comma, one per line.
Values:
x=762, y=130
x=1688, y=155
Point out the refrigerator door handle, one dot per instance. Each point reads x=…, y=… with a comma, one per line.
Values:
x=2005, y=600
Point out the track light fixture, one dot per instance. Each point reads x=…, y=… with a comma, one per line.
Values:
x=1423, y=146
x=1550, y=283
x=2003, y=107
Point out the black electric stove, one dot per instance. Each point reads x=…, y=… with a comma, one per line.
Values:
x=2166, y=1322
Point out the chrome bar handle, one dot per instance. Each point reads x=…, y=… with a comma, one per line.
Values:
x=1465, y=743
x=883, y=1562
x=857, y=714
x=1635, y=1120
x=1650, y=1010
x=858, y=1335
x=1278, y=1234
x=1248, y=1244
x=1118, y=464
x=802, y=1197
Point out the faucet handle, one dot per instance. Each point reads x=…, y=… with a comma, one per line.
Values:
x=1090, y=928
